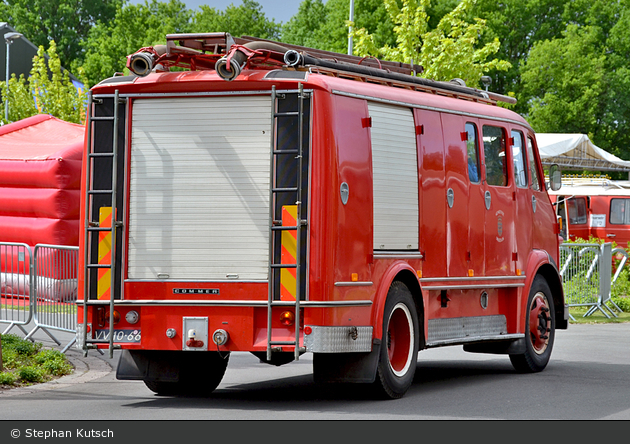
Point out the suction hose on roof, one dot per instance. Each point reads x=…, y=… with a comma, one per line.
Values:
x=294, y=58
x=230, y=66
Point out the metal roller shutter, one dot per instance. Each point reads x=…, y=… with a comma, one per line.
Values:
x=199, y=188
x=395, y=177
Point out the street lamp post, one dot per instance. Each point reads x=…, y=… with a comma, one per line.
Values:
x=350, y=43
x=9, y=38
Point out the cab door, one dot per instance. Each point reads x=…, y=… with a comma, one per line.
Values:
x=525, y=205
x=578, y=220
x=499, y=198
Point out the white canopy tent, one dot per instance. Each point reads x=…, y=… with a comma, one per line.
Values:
x=577, y=152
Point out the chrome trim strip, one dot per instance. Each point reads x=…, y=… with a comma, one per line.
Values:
x=353, y=284
x=472, y=279
x=475, y=339
x=469, y=287
x=397, y=255
x=235, y=303
x=196, y=281
x=202, y=93
x=430, y=108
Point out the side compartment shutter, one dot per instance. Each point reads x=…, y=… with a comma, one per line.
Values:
x=199, y=188
x=395, y=177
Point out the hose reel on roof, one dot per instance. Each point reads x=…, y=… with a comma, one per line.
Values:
x=143, y=63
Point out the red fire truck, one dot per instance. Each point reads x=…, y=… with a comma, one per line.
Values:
x=279, y=200
x=594, y=207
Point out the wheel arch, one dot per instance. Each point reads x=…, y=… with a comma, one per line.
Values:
x=542, y=264
x=404, y=273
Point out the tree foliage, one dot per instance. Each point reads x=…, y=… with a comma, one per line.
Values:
x=67, y=22
x=246, y=19
x=324, y=25
x=566, y=61
x=565, y=79
x=138, y=26
x=49, y=90
x=450, y=50
x=133, y=27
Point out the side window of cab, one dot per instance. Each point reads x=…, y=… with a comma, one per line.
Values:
x=495, y=155
x=533, y=170
x=519, y=159
x=472, y=148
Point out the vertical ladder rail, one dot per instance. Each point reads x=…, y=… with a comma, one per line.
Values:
x=86, y=233
x=299, y=221
x=298, y=255
x=94, y=227
x=272, y=205
x=113, y=225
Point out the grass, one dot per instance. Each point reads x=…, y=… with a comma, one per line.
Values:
x=26, y=363
x=597, y=317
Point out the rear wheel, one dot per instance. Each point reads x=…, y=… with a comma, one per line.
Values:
x=200, y=373
x=539, y=330
x=399, y=346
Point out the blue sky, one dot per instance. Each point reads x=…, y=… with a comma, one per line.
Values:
x=278, y=10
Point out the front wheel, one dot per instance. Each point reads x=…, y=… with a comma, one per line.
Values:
x=539, y=330
x=399, y=346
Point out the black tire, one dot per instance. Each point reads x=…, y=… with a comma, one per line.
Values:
x=399, y=345
x=540, y=329
x=200, y=373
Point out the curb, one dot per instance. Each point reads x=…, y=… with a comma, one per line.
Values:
x=86, y=368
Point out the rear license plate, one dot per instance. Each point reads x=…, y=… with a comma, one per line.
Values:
x=119, y=335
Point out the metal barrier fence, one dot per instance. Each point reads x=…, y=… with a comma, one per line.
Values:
x=586, y=271
x=40, y=288
x=15, y=284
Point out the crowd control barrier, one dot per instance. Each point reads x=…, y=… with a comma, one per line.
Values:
x=15, y=284
x=39, y=288
x=586, y=271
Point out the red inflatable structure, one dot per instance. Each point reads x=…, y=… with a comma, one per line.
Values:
x=40, y=179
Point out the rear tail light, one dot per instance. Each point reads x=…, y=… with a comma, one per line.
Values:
x=287, y=318
x=116, y=317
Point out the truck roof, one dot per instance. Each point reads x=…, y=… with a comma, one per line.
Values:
x=338, y=73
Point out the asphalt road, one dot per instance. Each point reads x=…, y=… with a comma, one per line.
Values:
x=588, y=378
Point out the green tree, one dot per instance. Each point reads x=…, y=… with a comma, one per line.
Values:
x=134, y=27
x=564, y=80
x=324, y=25
x=67, y=22
x=48, y=90
x=138, y=26
x=517, y=25
x=578, y=81
x=451, y=50
x=618, y=91
x=246, y=19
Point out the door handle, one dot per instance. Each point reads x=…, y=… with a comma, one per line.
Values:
x=611, y=235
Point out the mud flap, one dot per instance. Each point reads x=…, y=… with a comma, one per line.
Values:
x=346, y=367
x=148, y=365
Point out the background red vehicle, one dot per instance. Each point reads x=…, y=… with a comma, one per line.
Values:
x=279, y=200
x=597, y=208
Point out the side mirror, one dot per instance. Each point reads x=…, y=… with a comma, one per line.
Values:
x=555, y=177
